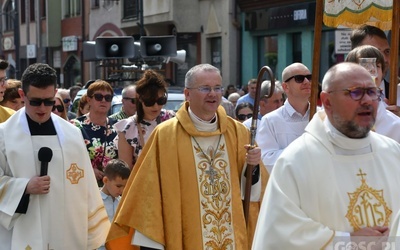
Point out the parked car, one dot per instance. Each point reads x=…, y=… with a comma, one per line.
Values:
x=174, y=102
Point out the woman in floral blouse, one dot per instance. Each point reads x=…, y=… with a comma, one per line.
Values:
x=97, y=129
x=151, y=92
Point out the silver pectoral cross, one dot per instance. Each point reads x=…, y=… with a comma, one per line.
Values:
x=211, y=173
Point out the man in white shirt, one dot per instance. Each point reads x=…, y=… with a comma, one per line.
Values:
x=282, y=126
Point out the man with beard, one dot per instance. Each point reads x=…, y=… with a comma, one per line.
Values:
x=338, y=180
x=5, y=112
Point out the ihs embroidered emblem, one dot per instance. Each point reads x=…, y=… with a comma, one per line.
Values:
x=74, y=173
x=367, y=207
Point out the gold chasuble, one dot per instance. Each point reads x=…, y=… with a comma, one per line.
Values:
x=184, y=192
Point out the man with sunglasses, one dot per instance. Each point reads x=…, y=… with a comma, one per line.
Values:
x=64, y=93
x=128, y=103
x=283, y=125
x=5, y=112
x=57, y=208
x=185, y=189
x=339, y=180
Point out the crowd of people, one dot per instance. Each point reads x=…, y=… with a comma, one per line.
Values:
x=148, y=178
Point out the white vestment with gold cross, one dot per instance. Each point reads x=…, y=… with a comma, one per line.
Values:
x=326, y=185
x=72, y=214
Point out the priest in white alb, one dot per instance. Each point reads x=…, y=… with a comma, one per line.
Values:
x=338, y=180
x=60, y=208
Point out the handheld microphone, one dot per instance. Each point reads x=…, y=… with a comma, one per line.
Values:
x=45, y=154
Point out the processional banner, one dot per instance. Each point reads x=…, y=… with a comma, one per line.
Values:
x=354, y=13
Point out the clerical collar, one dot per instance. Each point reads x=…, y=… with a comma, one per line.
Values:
x=45, y=128
x=344, y=145
x=202, y=125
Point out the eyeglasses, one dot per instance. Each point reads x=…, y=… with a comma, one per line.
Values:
x=243, y=117
x=67, y=100
x=3, y=80
x=60, y=108
x=131, y=99
x=207, y=89
x=150, y=102
x=100, y=97
x=299, y=78
x=38, y=102
x=357, y=93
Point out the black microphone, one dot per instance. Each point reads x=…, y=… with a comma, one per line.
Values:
x=45, y=154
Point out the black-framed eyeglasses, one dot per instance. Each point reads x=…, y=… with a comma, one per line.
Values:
x=299, y=78
x=67, y=100
x=38, y=102
x=208, y=89
x=133, y=100
x=357, y=93
x=150, y=102
x=99, y=97
x=60, y=108
x=243, y=117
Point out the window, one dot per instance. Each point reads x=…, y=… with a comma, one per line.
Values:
x=43, y=9
x=72, y=8
x=216, y=52
x=297, y=53
x=8, y=16
x=95, y=4
x=268, y=56
x=23, y=12
x=131, y=9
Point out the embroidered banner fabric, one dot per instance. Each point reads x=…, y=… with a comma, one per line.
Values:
x=353, y=13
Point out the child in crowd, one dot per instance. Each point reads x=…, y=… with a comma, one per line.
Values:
x=116, y=174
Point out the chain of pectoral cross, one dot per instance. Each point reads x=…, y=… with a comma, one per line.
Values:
x=211, y=172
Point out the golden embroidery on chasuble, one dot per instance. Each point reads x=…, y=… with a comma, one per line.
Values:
x=213, y=172
x=367, y=207
x=74, y=173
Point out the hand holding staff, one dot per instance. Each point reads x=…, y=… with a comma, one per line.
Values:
x=253, y=129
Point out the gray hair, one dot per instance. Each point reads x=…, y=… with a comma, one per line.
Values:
x=129, y=87
x=190, y=75
x=266, y=86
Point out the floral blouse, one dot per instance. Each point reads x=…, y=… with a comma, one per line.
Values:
x=99, y=140
x=128, y=126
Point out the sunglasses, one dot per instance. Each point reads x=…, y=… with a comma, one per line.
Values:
x=130, y=99
x=60, y=108
x=100, y=97
x=66, y=100
x=150, y=102
x=243, y=117
x=38, y=102
x=299, y=78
